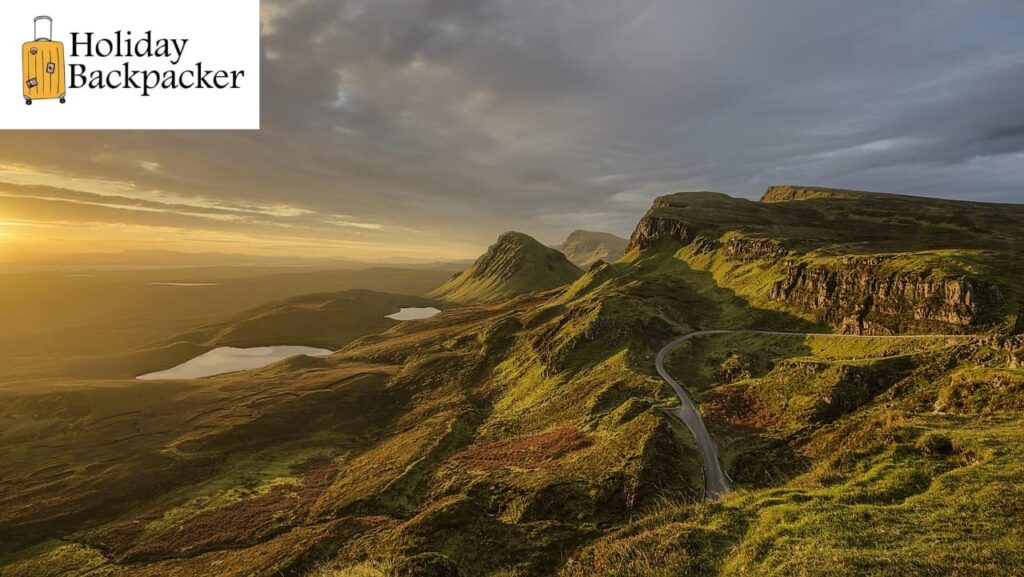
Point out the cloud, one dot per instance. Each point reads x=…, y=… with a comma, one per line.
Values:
x=444, y=122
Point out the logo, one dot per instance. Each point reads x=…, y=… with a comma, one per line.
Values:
x=43, y=65
x=124, y=64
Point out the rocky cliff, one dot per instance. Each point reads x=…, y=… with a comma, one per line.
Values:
x=748, y=249
x=862, y=262
x=859, y=296
x=787, y=193
x=653, y=228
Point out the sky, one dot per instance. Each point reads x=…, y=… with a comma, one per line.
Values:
x=424, y=128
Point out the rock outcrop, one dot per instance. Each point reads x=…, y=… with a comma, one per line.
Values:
x=747, y=249
x=859, y=297
x=652, y=229
x=788, y=193
x=864, y=262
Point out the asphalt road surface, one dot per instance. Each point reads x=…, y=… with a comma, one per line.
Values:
x=716, y=482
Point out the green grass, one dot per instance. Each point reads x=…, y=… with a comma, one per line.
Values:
x=58, y=559
x=364, y=569
x=528, y=436
x=859, y=238
x=891, y=488
x=395, y=413
x=904, y=512
x=515, y=265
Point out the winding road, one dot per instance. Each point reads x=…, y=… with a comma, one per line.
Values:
x=716, y=482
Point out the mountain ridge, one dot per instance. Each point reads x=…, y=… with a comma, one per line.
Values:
x=882, y=264
x=515, y=264
x=539, y=427
x=791, y=193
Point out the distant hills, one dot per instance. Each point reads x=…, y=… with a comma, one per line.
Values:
x=516, y=264
x=139, y=259
x=528, y=436
x=152, y=258
x=585, y=247
x=328, y=320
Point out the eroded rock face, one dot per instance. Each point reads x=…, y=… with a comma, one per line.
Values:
x=746, y=249
x=1013, y=345
x=788, y=193
x=652, y=229
x=859, y=298
x=893, y=279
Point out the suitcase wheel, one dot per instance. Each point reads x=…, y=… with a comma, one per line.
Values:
x=28, y=102
x=62, y=101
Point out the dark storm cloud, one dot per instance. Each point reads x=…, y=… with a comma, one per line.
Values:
x=547, y=116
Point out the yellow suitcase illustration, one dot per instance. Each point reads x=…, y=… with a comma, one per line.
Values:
x=43, y=64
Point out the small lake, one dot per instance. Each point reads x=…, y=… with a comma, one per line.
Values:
x=414, y=313
x=230, y=359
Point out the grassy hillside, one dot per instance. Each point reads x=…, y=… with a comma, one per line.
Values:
x=846, y=222
x=533, y=423
x=515, y=265
x=877, y=458
x=527, y=436
x=861, y=262
x=851, y=457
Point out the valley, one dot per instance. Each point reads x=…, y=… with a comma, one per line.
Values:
x=841, y=371
x=230, y=359
x=126, y=322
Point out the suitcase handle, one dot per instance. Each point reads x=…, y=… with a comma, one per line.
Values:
x=48, y=24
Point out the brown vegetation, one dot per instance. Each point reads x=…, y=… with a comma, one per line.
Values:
x=530, y=452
